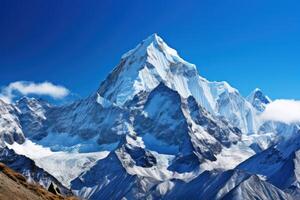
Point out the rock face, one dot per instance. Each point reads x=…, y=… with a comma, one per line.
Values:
x=32, y=114
x=10, y=128
x=167, y=131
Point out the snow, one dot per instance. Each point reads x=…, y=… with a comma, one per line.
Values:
x=65, y=166
x=159, y=172
x=229, y=158
x=30, y=149
x=263, y=140
x=164, y=187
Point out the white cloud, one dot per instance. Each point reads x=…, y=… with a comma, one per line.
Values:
x=30, y=88
x=286, y=111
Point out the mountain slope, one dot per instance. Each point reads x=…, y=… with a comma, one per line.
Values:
x=14, y=186
x=279, y=164
x=233, y=184
x=255, y=188
x=32, y=114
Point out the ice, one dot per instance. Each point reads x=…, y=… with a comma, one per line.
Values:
x=65, y=166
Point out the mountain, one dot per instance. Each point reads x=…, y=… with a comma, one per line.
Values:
x=101, y=116
x=154, y=129
x=155, y=111
x=258, y=99
x=153, y=62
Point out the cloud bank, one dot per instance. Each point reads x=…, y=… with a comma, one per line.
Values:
x=286, y=111
x=30, y=88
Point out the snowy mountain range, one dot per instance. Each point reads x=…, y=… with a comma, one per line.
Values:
x=155, y=129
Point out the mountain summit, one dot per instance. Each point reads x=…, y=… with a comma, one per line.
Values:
x=143, y=68
x=153, y=62
x=258, y=99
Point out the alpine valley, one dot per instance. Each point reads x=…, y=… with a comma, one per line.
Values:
x=155, y=129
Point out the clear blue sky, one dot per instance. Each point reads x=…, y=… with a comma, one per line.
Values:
x=249, y=43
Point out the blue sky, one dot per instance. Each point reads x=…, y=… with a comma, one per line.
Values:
x=77, y=43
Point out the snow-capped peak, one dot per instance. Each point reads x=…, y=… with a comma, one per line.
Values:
x=153, y=62
x=258, y=99
x=144, y=67
x=152, y=40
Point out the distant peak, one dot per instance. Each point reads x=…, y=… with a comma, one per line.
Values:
x=255, y=93
x=257, y=90
x=258, y=99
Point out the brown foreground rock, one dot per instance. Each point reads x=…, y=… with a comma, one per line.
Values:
x=14, y=186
